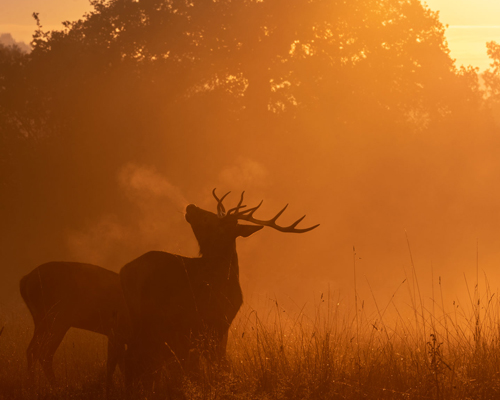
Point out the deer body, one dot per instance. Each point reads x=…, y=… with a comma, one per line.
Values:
x=187, y=290
x=179, y=304
x=61, y=295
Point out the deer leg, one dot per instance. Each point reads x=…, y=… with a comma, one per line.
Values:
x=133, y=366
x=115, y=353
x=128, y=373
x=154, y=365
x=50, y=346
x=32, y=353
x=223, y=352
x=221, y=347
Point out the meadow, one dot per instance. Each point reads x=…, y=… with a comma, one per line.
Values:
x=332, y=352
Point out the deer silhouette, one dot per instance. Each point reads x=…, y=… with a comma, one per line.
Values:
x=61, y=295
x=178, y=304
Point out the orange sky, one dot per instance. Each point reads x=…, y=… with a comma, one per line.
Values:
x=471, y=22
x=15, y=16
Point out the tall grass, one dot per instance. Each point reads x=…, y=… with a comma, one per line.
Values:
x=431, y=352
x=432, y=355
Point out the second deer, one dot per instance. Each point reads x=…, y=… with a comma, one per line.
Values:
x=62, y=295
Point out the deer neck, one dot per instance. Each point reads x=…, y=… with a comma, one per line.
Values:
x=224, y=259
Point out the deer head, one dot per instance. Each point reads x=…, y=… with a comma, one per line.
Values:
x=217, y=232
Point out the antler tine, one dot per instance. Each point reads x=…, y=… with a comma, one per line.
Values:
x=216, y=198
x=304, y=230
x=279, y=214
x=221, y=210
x=247, y=215
x=237, y=208
x=249, y=212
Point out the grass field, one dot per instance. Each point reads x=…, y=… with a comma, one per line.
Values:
x=430, y=353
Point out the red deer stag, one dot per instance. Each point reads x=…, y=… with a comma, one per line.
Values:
x=61, y=295
x=180, y=303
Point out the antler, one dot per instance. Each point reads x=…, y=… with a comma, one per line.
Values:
x=237, y=208
x=247, y=215
x=221, y=211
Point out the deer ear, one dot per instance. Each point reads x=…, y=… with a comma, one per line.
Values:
x=247, y=230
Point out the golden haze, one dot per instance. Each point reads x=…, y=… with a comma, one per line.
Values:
x=351, y=112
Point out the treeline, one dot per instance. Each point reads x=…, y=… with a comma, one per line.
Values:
x=347, y=105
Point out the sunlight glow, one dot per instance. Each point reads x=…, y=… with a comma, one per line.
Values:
x=467, y=43
x=474, y=26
